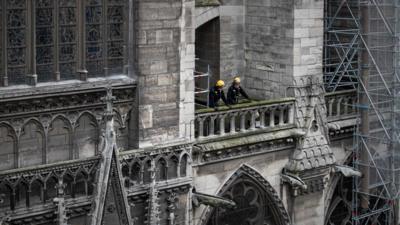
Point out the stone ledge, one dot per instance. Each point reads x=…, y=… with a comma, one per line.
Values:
x=204, y=3
x=48, y=167
x=62, y=87
x=47, y=209
x=161, y=186
x=251, y=144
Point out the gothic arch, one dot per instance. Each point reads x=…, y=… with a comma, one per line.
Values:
x=338, y=199
x=86, y=135
x=8, y=147
x=146, y=165
x=161, y=168
x=207, y=16
x=59, y=140
x=184, y=162
x=173, y=166
x=31, y=144
x=246, y=183
x=135, y=172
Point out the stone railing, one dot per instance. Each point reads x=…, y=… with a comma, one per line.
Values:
x=341, y=104
x=246, y=117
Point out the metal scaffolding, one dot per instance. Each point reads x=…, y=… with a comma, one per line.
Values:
x=361, y=52
x=341, y=44
x=202, y=86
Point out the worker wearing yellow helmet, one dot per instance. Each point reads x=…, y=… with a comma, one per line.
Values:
x=217, y=93
x=235, y=91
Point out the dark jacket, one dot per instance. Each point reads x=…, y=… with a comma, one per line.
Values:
x=214, y=96
x=234, y=93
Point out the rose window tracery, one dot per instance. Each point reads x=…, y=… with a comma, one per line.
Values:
x=253, y=206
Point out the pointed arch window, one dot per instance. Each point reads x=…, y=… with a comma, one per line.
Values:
x=52, y=40
x=256, y=202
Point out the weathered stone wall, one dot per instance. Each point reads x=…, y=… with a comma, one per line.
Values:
x=232, y=39
x=268, y=47
x=165, y=54
x=308, y=38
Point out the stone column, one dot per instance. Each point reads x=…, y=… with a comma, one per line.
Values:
x=165, y=62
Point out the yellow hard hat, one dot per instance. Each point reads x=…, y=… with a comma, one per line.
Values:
x=236, y=79
x=220, y=83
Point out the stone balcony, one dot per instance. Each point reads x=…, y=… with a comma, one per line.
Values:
x=243, y=118
x=341, y=105
x=245, y=129
x=259, y=126
x=341, y=113
x=269, y=115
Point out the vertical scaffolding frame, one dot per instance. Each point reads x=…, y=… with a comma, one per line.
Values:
x=201, y=91
x=341, y=44
x=362, y=52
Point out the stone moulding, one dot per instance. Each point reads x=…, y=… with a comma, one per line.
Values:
x=44, y=213
x=50, y=169
x=204, y=3
x=147, y=152
x=42, y=173
x=61, y=102
x=162, y=186
x=259, y=143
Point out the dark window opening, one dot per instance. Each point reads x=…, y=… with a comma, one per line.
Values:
x=207, y=64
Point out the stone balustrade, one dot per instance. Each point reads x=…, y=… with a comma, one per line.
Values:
x=341, y=104
x=245, y=117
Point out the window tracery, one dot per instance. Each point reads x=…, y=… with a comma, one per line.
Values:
x=252, y=206
x=16, y=39
x=48, y=45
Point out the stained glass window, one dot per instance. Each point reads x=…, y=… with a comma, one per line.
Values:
x=95, y=38
x=42, y=37
x=16, y=40
x=68, y=38
x=116, y=12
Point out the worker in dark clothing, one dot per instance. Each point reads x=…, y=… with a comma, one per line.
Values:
x=216, y=94
x=235, y=91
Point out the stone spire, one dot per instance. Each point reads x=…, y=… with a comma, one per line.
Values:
x=110, y=200
x=312, y=149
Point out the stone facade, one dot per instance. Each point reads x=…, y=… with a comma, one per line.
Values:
x=132, y=149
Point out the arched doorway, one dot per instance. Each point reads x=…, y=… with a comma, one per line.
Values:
x=257, y=203
x=207, y=64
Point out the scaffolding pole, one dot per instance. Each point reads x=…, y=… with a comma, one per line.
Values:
x=202, y=90
x=362, y=52
x=363, y=99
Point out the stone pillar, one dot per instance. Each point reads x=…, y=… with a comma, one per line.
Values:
x=308, y=36
x=165, y=61
x=186, y=80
